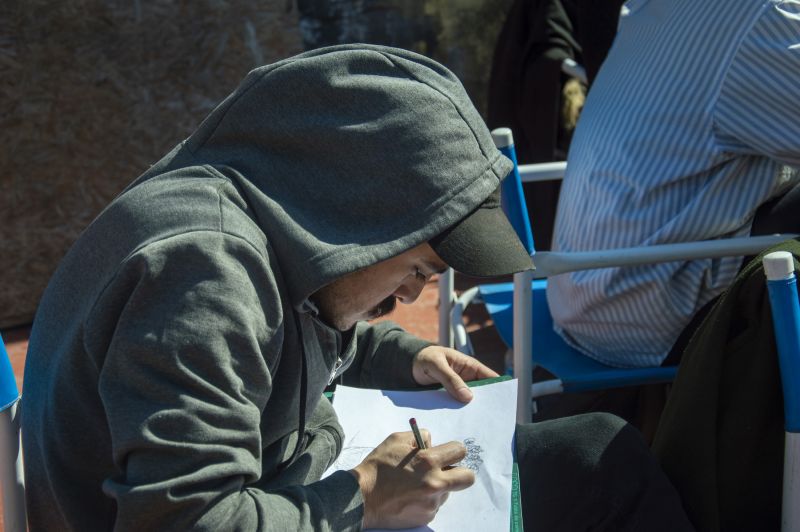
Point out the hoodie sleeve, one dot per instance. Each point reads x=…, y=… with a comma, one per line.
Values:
x=195, y=332
x=384, y=356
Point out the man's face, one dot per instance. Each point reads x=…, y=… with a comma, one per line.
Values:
x=374, y=291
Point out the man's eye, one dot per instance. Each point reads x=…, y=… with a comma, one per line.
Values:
x=419, y=274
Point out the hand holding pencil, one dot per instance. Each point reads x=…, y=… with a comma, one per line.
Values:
x=405, y=480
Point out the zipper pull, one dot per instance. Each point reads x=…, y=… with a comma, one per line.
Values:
x=336, y=367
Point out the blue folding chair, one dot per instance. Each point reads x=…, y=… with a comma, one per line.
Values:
x=11, y=476
x=782, y=287
x=520, y=312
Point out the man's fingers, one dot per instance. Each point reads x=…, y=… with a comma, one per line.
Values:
x=458, y=478
x=408, y=437
x=485, y=372
x=426, y=437
x=475, y=370
x=439, y=460
x=444, y=455
x=452, y=382
x=470, y=368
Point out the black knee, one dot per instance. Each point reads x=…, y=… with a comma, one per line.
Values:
x=593, y=471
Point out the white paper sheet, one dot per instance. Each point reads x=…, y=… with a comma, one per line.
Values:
x=486, y=426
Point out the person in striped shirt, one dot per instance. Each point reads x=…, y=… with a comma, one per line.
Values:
x=691, y=131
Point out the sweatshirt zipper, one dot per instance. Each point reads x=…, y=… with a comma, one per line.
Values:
x=336, y=367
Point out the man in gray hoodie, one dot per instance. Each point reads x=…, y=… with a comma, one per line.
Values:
x=178, y=357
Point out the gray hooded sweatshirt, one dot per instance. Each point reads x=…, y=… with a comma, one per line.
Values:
x=171, y=349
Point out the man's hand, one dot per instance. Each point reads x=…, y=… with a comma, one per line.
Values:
x=403, y=486
x=450, y=368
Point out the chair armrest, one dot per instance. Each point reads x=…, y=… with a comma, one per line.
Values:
x=530, y=173
x=550, y=263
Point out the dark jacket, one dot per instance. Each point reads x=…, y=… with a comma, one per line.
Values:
x=720, y=438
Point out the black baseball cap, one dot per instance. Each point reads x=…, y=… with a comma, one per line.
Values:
x=483, y=243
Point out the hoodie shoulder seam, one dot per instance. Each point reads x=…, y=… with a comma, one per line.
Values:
x=138, y=250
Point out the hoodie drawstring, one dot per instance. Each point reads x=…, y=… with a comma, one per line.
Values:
x=301, y=430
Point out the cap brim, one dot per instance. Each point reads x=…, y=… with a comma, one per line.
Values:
x=483, y=245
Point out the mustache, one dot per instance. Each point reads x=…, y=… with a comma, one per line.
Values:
x=385, y=307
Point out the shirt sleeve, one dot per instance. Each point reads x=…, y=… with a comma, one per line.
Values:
x=185, y=380
x=758, y=110
x=384, y=356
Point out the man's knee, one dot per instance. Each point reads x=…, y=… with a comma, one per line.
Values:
x=584, y=437
x=600, y=449
x=593, y=470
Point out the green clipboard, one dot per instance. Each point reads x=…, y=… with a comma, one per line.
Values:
x=516, y=498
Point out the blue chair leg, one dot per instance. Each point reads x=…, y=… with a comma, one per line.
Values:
x=782, y=286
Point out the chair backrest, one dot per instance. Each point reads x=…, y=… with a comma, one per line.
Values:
x=782, y=286
x=11, y=468
x=512, y=195
x=517, y=212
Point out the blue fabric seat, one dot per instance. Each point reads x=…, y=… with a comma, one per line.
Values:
x=576, y=371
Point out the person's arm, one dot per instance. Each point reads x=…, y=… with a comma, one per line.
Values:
x=189, y=341
x=388, y=357
x=758, y=110
x=403, y=486
x=384, y=357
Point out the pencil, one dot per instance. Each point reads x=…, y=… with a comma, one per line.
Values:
x=417, y=435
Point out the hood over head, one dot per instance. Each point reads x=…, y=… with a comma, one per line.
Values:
x=348, y=155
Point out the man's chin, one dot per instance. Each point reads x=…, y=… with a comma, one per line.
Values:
x=347, y=325
x=340, y=325
x=344, y=326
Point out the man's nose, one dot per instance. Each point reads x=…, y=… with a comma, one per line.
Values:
x=410, y=289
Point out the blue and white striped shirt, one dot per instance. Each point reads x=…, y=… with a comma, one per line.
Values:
x=688, y=128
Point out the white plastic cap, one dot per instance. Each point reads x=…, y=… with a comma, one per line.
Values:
x=779, y=265
x=502, y=137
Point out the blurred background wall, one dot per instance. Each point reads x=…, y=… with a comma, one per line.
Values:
x=94, y=91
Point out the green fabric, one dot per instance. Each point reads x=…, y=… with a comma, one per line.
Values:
x=163, y=378
x=720, y=438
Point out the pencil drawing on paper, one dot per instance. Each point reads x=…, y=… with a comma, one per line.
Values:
x=352, y=455
x=473, y=458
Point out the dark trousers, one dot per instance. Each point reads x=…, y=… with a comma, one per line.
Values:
x=593, y=472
